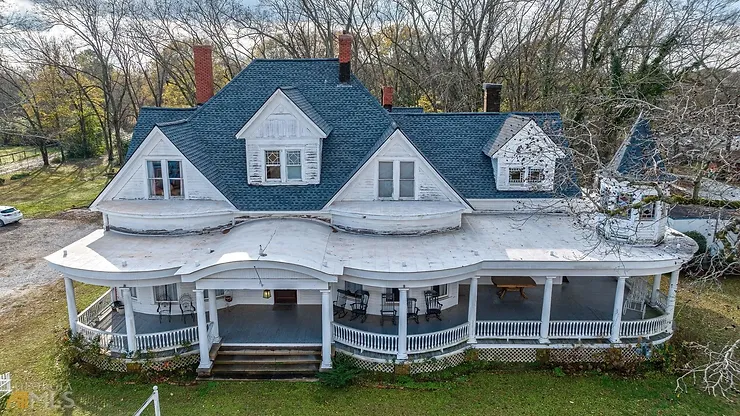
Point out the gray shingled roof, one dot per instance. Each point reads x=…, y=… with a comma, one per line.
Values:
x=513, y=125
x=300, y=101
x=638, y=157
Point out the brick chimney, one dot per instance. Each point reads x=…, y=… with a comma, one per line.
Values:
x=345, y=56
x=492, y=98
x=388, y=98
x=203, y=62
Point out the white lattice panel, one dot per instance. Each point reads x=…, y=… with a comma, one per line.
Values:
x=431, y=365
x=508, y=355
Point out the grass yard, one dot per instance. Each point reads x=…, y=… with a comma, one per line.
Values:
x=29, y=331
x=52, y=189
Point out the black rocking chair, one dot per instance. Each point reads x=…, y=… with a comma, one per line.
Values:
x=434, y=306
x=413, y=310
x=187, y=307
x=340, y=304
x=359, y=308
x=164, y=307
x=387, y=308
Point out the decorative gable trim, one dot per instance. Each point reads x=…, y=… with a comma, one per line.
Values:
x=369, y=168
x=155, y=139
x=277, y=99
x=532, y=131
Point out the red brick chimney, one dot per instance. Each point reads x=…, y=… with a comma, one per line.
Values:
x=388, y=98
x=345, y=56
x=203, y=62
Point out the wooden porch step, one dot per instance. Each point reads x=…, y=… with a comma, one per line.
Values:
x=251, y=352
x=271, y=359
x=236, y=362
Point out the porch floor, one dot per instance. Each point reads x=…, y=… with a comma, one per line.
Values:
x=582, y=298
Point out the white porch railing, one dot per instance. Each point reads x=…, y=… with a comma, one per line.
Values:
x=507, y=329
x=365, y=341
x=91, y=314
x=437, y=341
x=108, y=340
x=5, y=388
x=580, y=329
x=644, y=328
x=168, y=339
x=662, y=301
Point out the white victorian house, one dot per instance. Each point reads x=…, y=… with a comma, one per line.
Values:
x=293, y=212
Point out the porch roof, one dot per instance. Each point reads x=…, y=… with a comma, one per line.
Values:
x=484, y=242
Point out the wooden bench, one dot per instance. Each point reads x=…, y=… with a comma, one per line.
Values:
x=506, y=283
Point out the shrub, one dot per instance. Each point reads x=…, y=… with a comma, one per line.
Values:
x=700, y=240
x=342, y=374
x=20, y=176
x=56, y=160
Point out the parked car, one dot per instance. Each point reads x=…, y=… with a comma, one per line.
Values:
x=9, y=215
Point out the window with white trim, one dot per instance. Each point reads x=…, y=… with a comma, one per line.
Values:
x=352, y=287
x=165, y=183
x=442, y=290
x=219, y=293
x=165, y=293
x=536, y=175
x=283, y=165
x=647, y=211
x=397, y=179
x=133, y=292
x=392, y=294
x=525, y=175
x=516, y=175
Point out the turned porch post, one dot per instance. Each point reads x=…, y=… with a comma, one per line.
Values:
x=472, y=309
x=200, y=309
x=128, y=313
x=656, y=288
x=671, y=303
x=403, y=309
x=69, y=289
x=617, y=315
x=326, y=316
x=213, y=312
x=546, y=307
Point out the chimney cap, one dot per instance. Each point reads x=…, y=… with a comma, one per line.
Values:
x=492, y=86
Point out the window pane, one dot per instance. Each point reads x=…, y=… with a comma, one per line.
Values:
x=516, y=175
x=406, y=189
x=440, y=289
x=272, y=164
x=273, y=172
x=647, y=212
x=294, y=157
x=155, y=169
x=385, y=170
x=294, y=173
x=272, y=157
x=133, y=292
x=166, y=293
x=385, y=188
x=176, y=187
x=352, y=287
x=156, y=187
x=173, y=169
x=407, y=170
x=536, y=175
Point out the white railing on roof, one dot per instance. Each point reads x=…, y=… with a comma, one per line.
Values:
x=644, y=328
x=507, y=329
x=167, y=340
x=437, y=341
x=5, y=388
x=580, y=329
x=107, y=340
x=365, y=341
x=91, y=315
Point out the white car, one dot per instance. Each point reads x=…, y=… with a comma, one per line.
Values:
x=9, y=215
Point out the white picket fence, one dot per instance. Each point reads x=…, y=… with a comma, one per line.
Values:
x=154, y=401
x=507, y=329
x=580, y=329
x=437, y=341
x=365, y=341
x=5, y=388
x=644, y=328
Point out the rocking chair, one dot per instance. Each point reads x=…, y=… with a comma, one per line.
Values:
x=359, y=308
x=340, y=309
x=387, y=308
x=434, y=306
x=637, y=297
x=164, y=307
x=413, y=310
x=187, y=307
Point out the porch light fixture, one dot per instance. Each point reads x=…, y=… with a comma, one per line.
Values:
x=266, y=294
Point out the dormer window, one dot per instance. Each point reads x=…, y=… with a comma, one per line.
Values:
x=396, y=180
x=165, y=183
x=283, y=165
x=526, y=176
x=516, y=175
x=536, y=175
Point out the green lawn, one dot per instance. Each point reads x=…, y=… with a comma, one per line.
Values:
x=52, y=189
x=28, y=335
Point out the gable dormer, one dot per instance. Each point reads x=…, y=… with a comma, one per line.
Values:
x=523, y=156
x=283, y=141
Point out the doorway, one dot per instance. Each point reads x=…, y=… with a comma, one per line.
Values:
x=286, y=297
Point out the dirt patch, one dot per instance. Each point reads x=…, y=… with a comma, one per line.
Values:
x=23, y=246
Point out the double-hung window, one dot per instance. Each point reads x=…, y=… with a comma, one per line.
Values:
x=647, y=211
x=165, y=179
x=396, y=180
x=442, y=290
x=392, y=294
x=283, y=165
x=165, y=293
x=219, y=293
x=522, y=176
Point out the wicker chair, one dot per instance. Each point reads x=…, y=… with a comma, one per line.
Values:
x=387, y=308
x=434, y=306
x=413, y=310
x=187, y=307
x=359, y=308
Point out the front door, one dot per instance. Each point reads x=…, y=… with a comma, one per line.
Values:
x=286, y=297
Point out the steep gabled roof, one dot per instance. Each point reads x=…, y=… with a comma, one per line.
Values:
x=302, y=103
x=452, y=142
x=638, y=157
x=149, y=117
x=512, y=125
x=407, y=110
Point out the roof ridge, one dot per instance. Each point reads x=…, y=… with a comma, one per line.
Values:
x=293, y=59
x=152, y=107
x=481, y=113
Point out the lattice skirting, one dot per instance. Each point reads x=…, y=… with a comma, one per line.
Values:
x=430, y=365
x=508, y=355
x=369, y=364
x=594, y=355
x=104, y=362
x=120, y=365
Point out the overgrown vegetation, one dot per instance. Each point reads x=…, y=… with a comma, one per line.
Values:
x=342, y=374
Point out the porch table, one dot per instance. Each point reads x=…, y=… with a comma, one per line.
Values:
x=506, y=283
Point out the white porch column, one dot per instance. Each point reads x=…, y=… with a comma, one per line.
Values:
x=69, y=289
x=128, y=313
x=213, y=312
x=617, y=315
x=656, y=288
x=326, y=338
x=671, y=303
x=403, y=309
x=203, y=344
x=546, y=307
x=472, y=309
